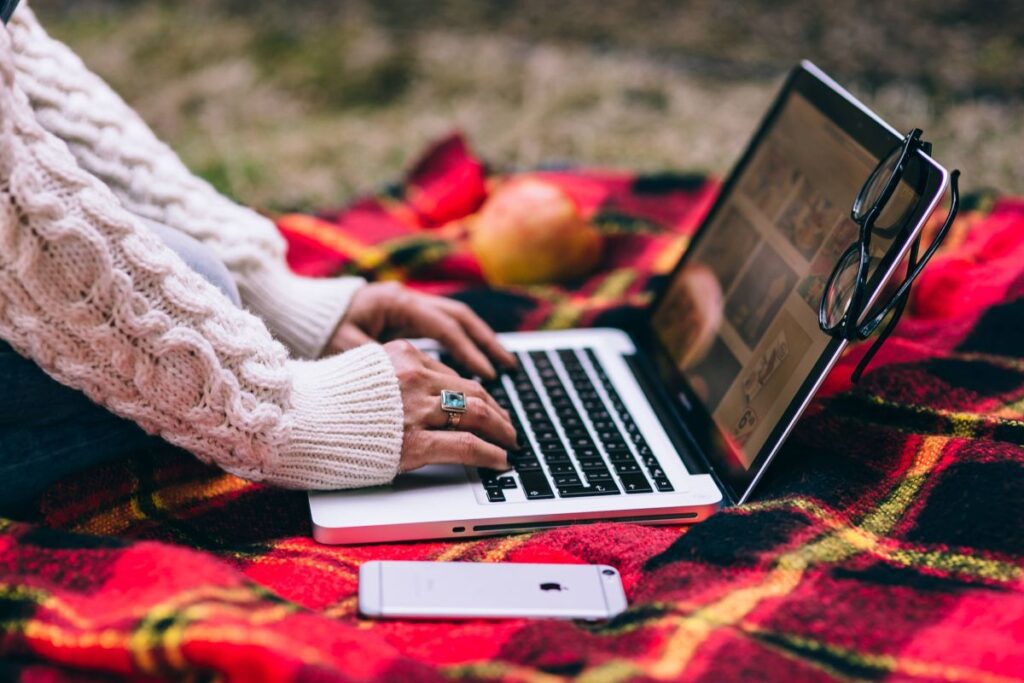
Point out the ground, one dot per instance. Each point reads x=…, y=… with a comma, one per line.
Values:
x=295, y=105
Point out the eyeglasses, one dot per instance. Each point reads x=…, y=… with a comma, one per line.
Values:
x=843, y=313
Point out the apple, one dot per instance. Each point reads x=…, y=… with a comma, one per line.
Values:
x=529, y=231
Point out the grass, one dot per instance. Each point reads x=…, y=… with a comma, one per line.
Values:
x=292, y=105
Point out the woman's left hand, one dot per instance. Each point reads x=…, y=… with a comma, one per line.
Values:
x=386, y=310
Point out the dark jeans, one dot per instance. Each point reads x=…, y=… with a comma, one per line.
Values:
x=48, y=431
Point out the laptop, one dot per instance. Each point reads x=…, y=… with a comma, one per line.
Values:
x=666, y=424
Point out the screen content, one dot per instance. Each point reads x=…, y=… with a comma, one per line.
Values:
x=740, y=319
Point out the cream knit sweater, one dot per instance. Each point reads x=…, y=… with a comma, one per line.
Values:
x=103, y=306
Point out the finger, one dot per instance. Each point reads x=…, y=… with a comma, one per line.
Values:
x=481, y=419
x=478, y=330
x=429, y=362
x=448, y=373
x=440, y=325
x=437, y=366
x=462, y=448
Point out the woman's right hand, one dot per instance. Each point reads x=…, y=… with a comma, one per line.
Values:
x=484, y=433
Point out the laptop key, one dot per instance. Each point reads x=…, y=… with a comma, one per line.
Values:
x=581, y=442
x=537, y=417
x=507, y=482
x=635, y=483
x=597, y=475
x=495, y=496
x=524, y=463
x=611, y=437
x=544, y=435
x=535, y=485
x=663, y=485
x=626, y=468
x=562, y=468
x=566, y=480
x=582, y=491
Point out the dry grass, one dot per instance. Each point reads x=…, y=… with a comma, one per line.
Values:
x=291, y=107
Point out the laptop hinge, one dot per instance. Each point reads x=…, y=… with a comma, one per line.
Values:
x=692, y=456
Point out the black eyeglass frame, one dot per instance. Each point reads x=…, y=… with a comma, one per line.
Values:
x=850, y=326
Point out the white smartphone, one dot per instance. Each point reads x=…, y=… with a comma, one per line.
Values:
x=474, y=590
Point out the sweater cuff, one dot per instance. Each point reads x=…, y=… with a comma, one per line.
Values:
x=346, y=423
x=301, y=312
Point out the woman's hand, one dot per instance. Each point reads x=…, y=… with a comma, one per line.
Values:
x=387, y=310
x=484, y=433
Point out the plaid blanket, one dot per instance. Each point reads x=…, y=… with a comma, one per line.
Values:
x=886, y=542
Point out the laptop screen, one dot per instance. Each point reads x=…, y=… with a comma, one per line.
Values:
x=739, y=319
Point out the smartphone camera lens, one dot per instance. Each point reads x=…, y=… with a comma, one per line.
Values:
x=608, y=572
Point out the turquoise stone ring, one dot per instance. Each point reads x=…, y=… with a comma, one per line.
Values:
x=453, y=403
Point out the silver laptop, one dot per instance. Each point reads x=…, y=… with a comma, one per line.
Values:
x=667, y=423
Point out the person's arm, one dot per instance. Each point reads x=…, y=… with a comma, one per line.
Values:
x=103, y=306
x=113, y=143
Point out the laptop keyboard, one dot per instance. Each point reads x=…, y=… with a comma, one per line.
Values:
x=582, y=444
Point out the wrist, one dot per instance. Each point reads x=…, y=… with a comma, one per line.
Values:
x=303, y=313
x=346, y=423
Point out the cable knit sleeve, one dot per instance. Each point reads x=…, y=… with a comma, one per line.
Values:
x=104, y=307
x=112, y=142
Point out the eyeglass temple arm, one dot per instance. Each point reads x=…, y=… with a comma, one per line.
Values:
x=902, y=294
x=898, y=307
x=940, y=236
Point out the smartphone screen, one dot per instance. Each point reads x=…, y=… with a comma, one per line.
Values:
x=489, y=590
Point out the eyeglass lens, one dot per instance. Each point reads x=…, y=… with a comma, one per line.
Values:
x=899, y=205
x=839, y=296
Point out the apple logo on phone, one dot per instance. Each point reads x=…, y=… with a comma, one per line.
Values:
x=552, y=586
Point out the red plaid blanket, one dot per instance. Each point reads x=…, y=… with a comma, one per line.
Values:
x=886, y=542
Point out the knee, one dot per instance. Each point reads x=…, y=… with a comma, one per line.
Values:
x=199, y=258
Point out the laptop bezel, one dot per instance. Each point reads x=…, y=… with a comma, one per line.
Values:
x=924, y=174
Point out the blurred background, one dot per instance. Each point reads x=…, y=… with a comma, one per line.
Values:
x=294, y=105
